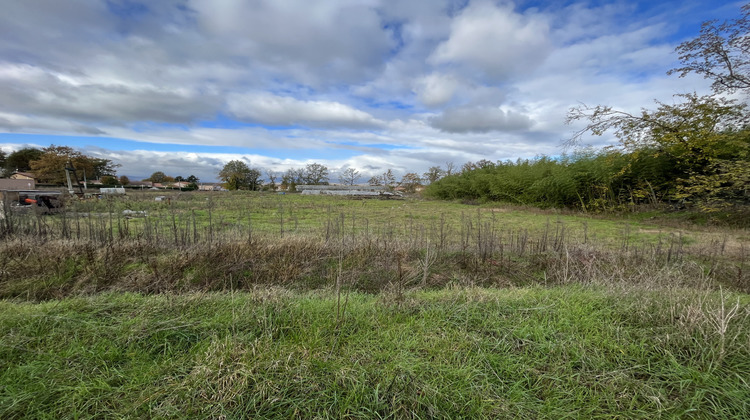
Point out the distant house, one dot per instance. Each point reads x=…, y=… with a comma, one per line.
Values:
x=403, y=189
x=23, y=175
x=141, y=184
x=210, y=187
x=180, y=184
x=17, y=184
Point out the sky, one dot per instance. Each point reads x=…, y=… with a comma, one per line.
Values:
x=184, y=86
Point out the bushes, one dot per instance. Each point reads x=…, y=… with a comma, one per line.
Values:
x=581, y=181
x=596, y=181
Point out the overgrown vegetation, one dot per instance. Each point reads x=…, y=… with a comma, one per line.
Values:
x=211, y=241
x=246, y=304
x=694, y=152
x=609, y=181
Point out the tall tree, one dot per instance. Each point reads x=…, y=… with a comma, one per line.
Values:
x=389, y=180
x=109, y=180
x=703, y=140
x=480, y=164
x=238, y=176
x=316, y=174
x=20, y=160
x=50, y=166
x=350, y=176
x=410, y=182
x=102, y=167
x=291, y=178
x=449, y=168
x=721, y=53
x=375, y=181
x=272, y=177
x=700, y=144
x=157, y=177
x=3, y=156
x=433, y=174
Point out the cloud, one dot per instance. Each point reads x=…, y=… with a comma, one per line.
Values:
x=480, y=119
x=275, y=110
x=436, y=89
x=16, y=123
x=30, y=90
x=496, y=41
x=313, y=42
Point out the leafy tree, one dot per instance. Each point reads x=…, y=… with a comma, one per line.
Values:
x=157, y=177
x=721, y=53
x=316, y=174
x=698, y=149
x=375, y=181
x=480, y=164
x=689, y=137
x=410, y=182
x=350, y=176
x=433, y=174
x=389, y=180
x=449, y=168
x=192, y=181
x=109, y=180
x=124, y=180
x=272, y=177
x=50, y=166
x=20, y=160
x=102, y=167
x=3, y=156
x=238, y=176
x=291, y=178
x=178, y=178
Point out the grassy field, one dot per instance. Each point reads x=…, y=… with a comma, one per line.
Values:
x=453, y=353
x=270, y=306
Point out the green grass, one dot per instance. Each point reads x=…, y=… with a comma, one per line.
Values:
x=226, y=306
x=563, y=352
x=267, y=213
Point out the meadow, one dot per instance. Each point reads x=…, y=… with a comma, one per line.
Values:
x=256, y=305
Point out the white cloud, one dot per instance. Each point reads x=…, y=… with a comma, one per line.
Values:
x=314, y=42
x=31, y=90
x=480, y=119
x=284, y=110
x=436, y=89
x=496, y=41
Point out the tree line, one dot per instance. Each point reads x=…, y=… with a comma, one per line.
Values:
x=49, y=164
x=694, y=152
x=238, y=175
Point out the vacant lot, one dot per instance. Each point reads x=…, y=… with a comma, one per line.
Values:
x=259, y=305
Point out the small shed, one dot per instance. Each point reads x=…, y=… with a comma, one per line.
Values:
x=356, y=191
x=112, y=191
